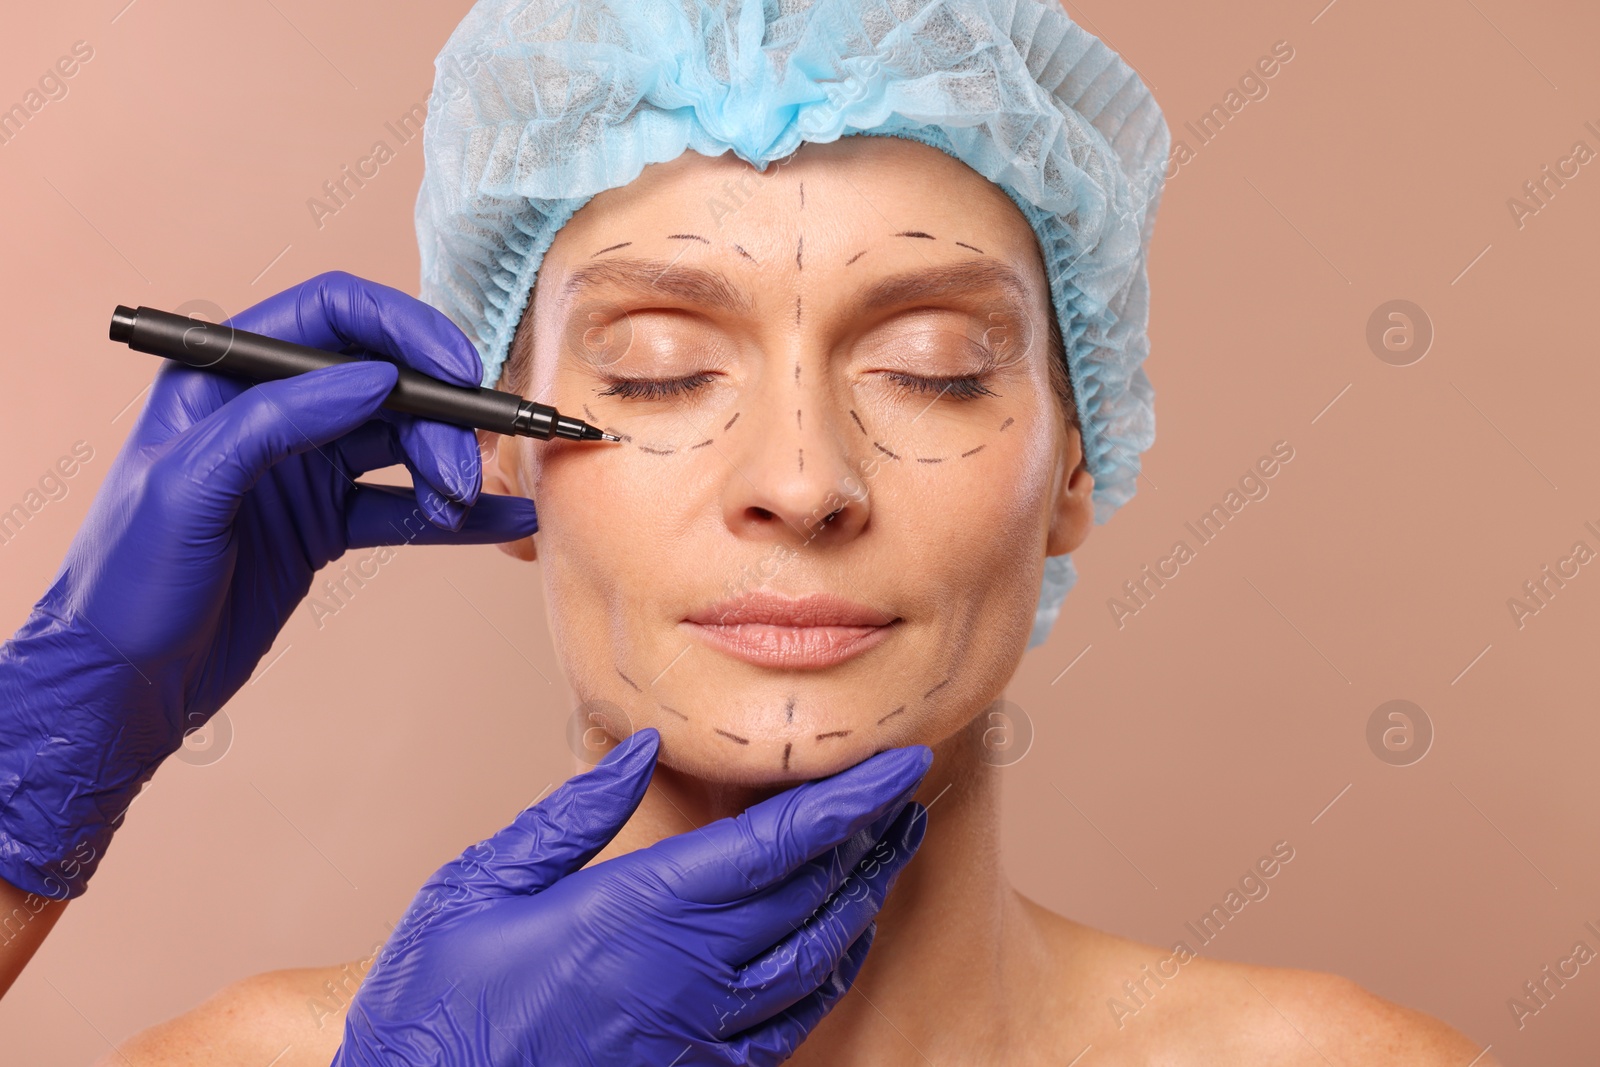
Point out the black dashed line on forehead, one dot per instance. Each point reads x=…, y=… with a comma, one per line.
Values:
x=687, y=237
x=857, y=256
x=917, y=233
x=613, y=248
x=980, y=251
x=746, y=255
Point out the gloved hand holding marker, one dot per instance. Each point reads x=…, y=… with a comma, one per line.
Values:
x=222, y=504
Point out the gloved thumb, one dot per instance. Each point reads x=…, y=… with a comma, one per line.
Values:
x=561, y=833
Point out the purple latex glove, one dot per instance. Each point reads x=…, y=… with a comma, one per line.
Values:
x=224, y=501
x=723, y=945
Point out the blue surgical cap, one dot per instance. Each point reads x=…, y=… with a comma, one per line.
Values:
x=540, y=104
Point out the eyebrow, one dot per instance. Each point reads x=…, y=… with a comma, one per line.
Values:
x=712, y=289
x=654, y=277
x=948, y=280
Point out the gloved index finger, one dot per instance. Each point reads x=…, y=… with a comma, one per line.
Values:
x=739, y=856
x=337, y=310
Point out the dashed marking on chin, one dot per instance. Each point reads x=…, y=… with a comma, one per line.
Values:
x=730, y=422
x=892, y=714
x=630, y=681
x=885, y=451
x=935, y=689
x=674, y=711
x=787, y=745
x=687, y=237
x=732, y=737
x=612, y=248
x=834, y=733
x=964, y=244
x=788, y=710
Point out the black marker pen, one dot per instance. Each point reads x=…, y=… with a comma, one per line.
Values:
x=260, y=358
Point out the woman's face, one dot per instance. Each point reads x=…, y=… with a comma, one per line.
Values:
x=843, y=461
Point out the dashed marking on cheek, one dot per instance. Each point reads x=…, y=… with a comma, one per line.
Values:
x=745, y=254
x=799, y=251
x=885, y=451
x=702, y=444
x=674, y=711
x=917, y=233
x=892, y=714
x=732, y=737
x=834, y=733
x=797, y=310
x=730, y=422
x=687, y=237
x=964, y=244
x=935, y=689
x=797, y=418
x=802, y=196
x=857, y=256
x=630, y=681
x=802, y=455
x=972, y=451
x=613, y=248
x=787, y=745
x=937, y=459
x=862, y=428
x=657, y=451
x=1008, y=422
x=797, y=373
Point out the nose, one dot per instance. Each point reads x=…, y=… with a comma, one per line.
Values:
x=793, y=481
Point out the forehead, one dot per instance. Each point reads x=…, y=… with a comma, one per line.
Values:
x=853, y=189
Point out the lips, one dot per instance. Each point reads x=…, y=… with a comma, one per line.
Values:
x=809, y=632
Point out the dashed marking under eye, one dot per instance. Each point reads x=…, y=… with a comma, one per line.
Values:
x=885, y=451
x=730, y=422
x=657, y=451
x=853, y=415
x=834, y=733
x=613, y=248
x=674, y=711
x=916, y=233
x=964, y=244
x=935, y=689
x=687, y=237
x=630, y=681
x=972, y=451
x=732, y=737
x=702, y=444
x=892, y=714
x=1008, y=422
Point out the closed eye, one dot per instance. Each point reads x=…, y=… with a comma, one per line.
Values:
x=960, y=388
x=656, y=388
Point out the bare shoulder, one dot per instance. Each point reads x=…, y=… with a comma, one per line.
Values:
x=290, y=1018
x=1140, y=1003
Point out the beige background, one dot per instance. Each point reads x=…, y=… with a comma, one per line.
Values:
x=1224, y=717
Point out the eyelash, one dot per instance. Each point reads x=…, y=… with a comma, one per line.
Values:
x=961, y=388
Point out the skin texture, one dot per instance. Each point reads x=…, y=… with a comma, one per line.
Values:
x=634, y=536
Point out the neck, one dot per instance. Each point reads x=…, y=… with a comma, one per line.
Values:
x=956, y=947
